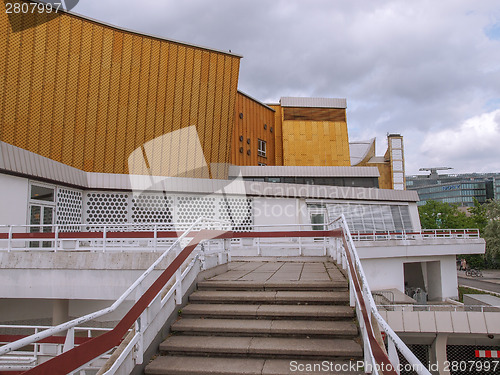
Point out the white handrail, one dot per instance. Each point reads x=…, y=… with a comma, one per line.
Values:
x=400, y=345
x=73, y=323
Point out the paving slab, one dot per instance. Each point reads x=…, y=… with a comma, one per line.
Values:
x=300, y=348
x=305, y=311
x=218, y=326
x=265, y=327
x=183, y=365
x=310, y=297
x=257, y=276
x=312, y=327
x=220, y=310
x=233, y=296
x=206, y=345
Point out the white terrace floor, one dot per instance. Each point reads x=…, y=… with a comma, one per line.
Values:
x=271, y=272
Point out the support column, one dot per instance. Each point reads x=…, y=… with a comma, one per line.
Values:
x=60, y=311
x=438, y=355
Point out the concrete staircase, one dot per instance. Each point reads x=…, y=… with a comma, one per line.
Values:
x=263, y=326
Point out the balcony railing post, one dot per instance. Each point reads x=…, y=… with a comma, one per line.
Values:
x=178, y=281
x=69, y=343
x=155, y=237
x=56, y=237
x=104, y=239
x=9, y=240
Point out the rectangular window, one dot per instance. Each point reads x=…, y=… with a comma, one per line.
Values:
x=42, y=193
x=262, y=148
x=261, y=164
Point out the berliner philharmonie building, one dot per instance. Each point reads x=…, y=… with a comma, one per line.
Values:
x=138, y=185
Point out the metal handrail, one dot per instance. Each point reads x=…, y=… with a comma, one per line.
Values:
x=368, y=298
x=78, y=321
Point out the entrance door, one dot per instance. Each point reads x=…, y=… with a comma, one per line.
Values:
x=41, y=215
x=41, y=211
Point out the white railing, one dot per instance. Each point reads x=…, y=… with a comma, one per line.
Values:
x=453, y=308
x=160, y=236
x=95, y=237
x=137, y=344
x=424, y=234
x=21, y=360
x=370, y=321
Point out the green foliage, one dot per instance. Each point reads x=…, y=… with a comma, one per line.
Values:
x=491, y=233
x=485, y=217
x=464, y=290
x=479, y=215
x=439, y=215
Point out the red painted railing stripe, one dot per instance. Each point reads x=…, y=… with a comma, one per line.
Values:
x=78, y=356
x=378, y=353
x=164, y=234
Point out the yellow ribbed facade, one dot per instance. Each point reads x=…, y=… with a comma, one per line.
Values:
x=315, y=143
x=88, y=95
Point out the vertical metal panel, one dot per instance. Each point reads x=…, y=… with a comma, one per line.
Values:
x=133, y=99
x=88, y=95
x=112, y=105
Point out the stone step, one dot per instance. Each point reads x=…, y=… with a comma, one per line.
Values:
x=263, y=347
x=265, y=327
x=339, y=284
x=270, y=296
x=182, y=365
x=260, y=311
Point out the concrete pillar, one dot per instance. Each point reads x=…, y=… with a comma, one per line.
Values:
x=60, y=311
x=438, y=355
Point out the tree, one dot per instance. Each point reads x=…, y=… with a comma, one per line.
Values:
x=491, y=233
x=479, y=215
x=439, y=215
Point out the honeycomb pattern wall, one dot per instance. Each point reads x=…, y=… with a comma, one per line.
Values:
x=107, y=208
x=88, y=94
x=238, y=211
x=152, y=208
x=69, y=209
x=188, y=209
x=120, y=208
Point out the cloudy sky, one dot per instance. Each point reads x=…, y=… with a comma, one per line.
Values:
x=429, y=70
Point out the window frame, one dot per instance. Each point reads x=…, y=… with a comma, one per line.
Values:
x=261, y=148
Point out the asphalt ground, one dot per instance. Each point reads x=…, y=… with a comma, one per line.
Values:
x=490, y=280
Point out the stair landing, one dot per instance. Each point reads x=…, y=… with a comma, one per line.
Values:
x=265, y=317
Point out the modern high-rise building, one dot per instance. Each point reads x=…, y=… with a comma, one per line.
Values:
x=459, y=189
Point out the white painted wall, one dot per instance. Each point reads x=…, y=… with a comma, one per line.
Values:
x=384, y=273
x=13, y=200
x=272, y=211
x=387, y=273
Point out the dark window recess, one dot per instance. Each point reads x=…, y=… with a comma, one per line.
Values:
x=273, y=179
x=248, y=140
x=241, y=138
x=248, y=152
x=265, y=126
x=271, y=129
x=241, y=150
x=42, y=193
x=241, y=115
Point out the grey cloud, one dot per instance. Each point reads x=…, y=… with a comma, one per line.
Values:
x=416, y=68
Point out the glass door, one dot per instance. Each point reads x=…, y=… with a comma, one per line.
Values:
x=41, y=215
